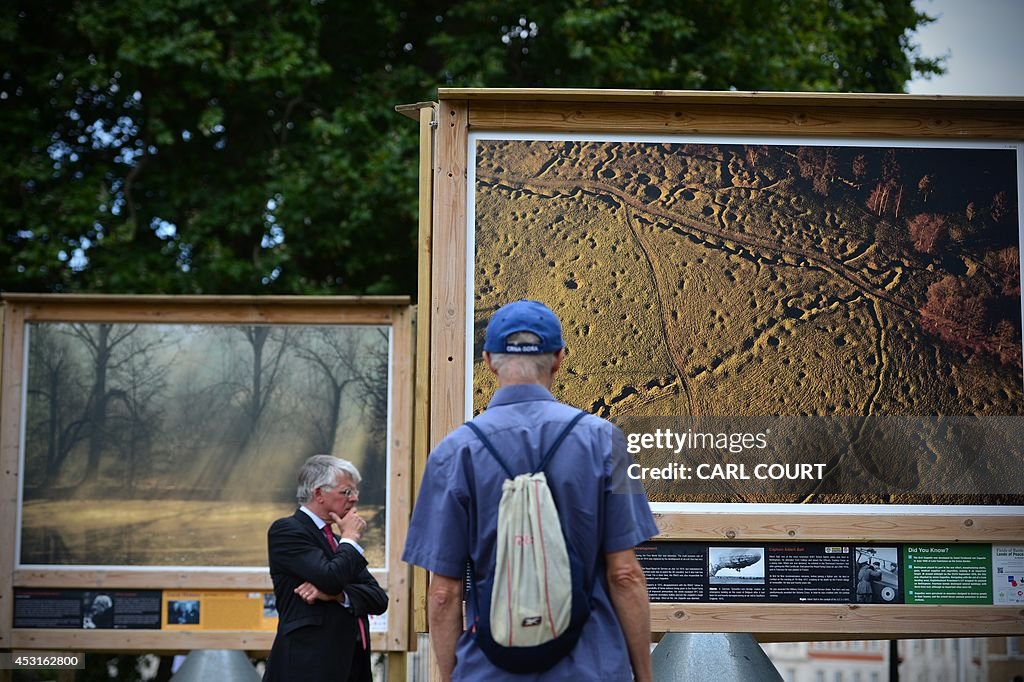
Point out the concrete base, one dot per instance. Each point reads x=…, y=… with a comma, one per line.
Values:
x=711, y=657
x=216, y=665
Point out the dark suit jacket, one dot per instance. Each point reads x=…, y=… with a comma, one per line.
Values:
x=314, y=642
x=365, y=597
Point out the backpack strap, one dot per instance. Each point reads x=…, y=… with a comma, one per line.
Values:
x=558, y=441
x=547, y=456
x=490, y=447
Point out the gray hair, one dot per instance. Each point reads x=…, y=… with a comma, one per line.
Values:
x=322, y=471
x=523, y=367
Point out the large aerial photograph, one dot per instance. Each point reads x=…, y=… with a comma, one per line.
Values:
x=852, y=281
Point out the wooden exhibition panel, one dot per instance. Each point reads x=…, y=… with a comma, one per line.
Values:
x=464, y=116
x=383, y=325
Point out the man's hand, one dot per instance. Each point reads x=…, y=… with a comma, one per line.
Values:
x=309, y=593
x=352, y=526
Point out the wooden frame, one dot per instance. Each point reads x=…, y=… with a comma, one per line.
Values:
x=462, y=111
x=427, y=120
x=18, y=309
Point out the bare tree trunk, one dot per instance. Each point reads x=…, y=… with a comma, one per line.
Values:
x=257, y=338
x=98, y=404
x=53, y=427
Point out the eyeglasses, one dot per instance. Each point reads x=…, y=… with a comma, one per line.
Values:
x=349, y=492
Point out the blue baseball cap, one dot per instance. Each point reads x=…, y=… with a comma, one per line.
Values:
x=523, y=316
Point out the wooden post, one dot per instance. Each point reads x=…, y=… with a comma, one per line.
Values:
x=448, y=272
x=397, y=666
x=448, y=308
x=11, y=331
x=400, y=480
x=421, y=409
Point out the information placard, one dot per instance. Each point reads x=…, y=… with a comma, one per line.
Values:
x=949, y=574
x=219, y=610
x=782, y=572
x=145, y=609
x=1008, y=574
x=87, y=609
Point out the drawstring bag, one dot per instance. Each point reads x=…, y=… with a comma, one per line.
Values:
x=530, y=612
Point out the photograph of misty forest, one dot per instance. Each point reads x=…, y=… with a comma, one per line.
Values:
x=178, y=445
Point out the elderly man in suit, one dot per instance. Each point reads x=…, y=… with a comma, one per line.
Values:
x=321, y=584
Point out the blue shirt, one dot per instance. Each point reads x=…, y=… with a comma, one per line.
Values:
x=456, y=516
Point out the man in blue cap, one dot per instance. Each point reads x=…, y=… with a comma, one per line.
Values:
x=604, y=516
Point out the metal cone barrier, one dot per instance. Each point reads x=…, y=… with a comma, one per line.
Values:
x=711, y=657
x=216, y=665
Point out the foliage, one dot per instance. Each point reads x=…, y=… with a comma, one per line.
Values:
x=927, y=231
x=969, y=320
x=250, y=146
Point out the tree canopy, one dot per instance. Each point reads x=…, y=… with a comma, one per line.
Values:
x=251, y=146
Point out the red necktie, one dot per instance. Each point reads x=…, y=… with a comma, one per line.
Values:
x=330, y=538
x=362, y=634
x=334, y=546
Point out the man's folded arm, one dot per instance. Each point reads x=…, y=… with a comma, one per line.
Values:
x=367, y=596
